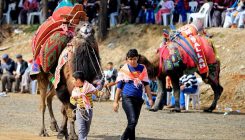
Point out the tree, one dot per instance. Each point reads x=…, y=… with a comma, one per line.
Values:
x=102, y=20
x=45, y=9
x=1, y=9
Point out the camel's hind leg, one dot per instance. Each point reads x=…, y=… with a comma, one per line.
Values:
x=54, y=126
x=213, y=80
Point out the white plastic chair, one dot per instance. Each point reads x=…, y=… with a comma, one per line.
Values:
x=203, y=13
x=7, y=14
x=195, y=97
x=30, y=17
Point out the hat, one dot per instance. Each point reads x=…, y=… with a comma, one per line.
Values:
x=5, y=56
x=18, y=56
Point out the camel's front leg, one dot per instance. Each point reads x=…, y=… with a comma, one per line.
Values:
x=54, y=126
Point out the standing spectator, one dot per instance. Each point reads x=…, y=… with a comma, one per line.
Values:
x=29, y=6
x=7, y=78
x=132, y=78
x=110, y=75
x=21, y=67
x=113, y=9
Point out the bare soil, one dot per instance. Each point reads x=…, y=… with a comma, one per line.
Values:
x=21, y=120
x=20, y=117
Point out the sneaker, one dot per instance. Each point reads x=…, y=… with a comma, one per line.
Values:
x=3, y=94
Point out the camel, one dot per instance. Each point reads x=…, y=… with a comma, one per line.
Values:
x=173, y=60
x=83, y=56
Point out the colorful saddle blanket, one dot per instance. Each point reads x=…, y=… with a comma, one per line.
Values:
x=191, y=49
x=53, y=35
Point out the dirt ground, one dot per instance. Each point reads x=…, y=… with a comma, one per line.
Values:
x=21, y=120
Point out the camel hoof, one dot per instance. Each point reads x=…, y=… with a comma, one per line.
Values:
x=208, y=110
x=54, y=127
x=62, y=135
x=176, y=109
x=44, y=133
x=73, y=137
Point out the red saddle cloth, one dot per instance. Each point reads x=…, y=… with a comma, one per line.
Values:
x=53, y=35
x=200, y=47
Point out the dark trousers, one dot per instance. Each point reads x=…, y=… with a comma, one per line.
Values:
x=7, y=80
x=132, y=107
x=17, y=84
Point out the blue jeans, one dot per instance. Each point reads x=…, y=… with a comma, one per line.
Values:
x=113, y=19
x=83, y=125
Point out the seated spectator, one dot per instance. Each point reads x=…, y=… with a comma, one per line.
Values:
x=90, y=7
x=150, y=15
x=21, y=67
x=165, y=7
x=141, y=18
x=237, y=14
x=125, y=12
x=188, y=84
x=113, y=9
x=29, y=6
x=26, y=80
x=8, y=67
x=181, y=8
x=219, y=10
x=241, y=21
x=52, y=4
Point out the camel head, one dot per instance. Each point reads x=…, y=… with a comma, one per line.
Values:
x=84, y=30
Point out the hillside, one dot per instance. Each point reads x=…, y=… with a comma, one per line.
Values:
x=146, y=38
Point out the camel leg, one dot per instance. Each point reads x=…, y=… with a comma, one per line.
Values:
x=213, y=80
x=71, y=119
x=63, y=132
x=160, y=97
x=176, y=87
x=43, y=132
x=54, y=126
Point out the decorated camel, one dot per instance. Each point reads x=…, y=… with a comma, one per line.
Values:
x=63, y=44
x=185, y=51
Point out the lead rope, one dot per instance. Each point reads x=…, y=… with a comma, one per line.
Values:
x=82, y=113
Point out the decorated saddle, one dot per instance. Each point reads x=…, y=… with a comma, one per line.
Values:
x=189, y=48
x=53, y=35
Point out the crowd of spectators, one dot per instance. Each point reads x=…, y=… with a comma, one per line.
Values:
x=139, y=11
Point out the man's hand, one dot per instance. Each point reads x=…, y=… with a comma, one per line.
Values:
x=115, y=106
x=182, y=87
x=151, y=102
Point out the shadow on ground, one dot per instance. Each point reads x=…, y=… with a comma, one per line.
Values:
x=103, y=137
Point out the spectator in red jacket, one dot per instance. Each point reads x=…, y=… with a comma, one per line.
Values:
x=29, y=6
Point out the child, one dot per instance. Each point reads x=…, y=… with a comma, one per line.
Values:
x=82, y=98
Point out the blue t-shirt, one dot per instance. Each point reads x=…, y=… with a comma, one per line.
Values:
x=128, y=88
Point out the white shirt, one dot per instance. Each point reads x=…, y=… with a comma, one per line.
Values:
x=18, y=68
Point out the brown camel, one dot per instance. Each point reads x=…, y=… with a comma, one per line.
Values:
x=84, y=57
x=179, y=67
